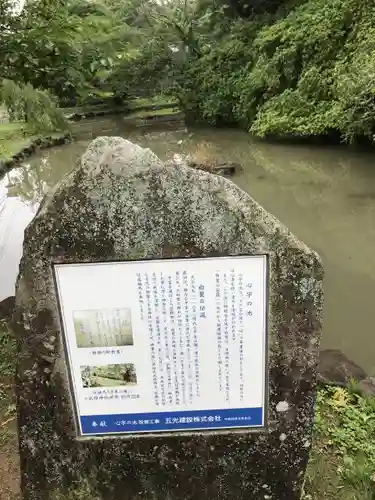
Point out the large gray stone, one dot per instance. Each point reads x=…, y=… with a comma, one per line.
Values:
x=122, y=203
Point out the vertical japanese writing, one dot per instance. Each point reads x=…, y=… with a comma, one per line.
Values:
x=181, y=357
x=219, y=337
x=160, y=345
x=172, y=318
x=241, y=331
x=202, y=305
x=249, y=303
x=166, y=337
x=152, y=338
x=119, y=327
x=233, y=312
x=188, y=338
x=107, y=327
x=140, y=295
x=232, y=302
x=226, y=337
x=195, y=374
x=172, y=311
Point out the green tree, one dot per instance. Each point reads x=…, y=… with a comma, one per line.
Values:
x=37, y=108
x=60, y=46
x=169, y=34
x=307, y=70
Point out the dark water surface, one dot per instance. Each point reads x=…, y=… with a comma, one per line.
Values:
x=326, y=196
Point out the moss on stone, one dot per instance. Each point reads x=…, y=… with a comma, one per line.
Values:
x=82, y=490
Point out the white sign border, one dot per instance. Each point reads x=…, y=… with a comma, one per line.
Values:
x=197, y=430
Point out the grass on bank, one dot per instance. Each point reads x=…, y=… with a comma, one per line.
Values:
x=152, y=113
x=15, y=136
x=133, y=105
x=342, y=461
x=139, y=102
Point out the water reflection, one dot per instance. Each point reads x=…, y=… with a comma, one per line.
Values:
x=28, y=182
x=324, y=195
x=16, y=211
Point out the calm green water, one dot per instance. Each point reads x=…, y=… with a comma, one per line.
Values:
x=326, y=196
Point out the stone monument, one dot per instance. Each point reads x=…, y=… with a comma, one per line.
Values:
x=200, y=376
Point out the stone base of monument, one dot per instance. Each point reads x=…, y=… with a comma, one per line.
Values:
x=168, y=335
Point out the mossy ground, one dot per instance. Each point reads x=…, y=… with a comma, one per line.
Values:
x=140, y=102
x=342, y=462
x=342, y=465
x=15, y=136
x=9, y=463
x=152, y=113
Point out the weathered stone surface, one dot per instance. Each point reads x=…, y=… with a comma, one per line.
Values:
x=336, y=368
x=367, y=386
x=123, y=203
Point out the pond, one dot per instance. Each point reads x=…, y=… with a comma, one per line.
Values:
x=325, y=195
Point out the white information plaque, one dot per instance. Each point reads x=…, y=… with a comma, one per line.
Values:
x=166, y=345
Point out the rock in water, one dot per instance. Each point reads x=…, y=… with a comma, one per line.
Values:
x=336, y=368
x=367, y=386
x=227, y=169
x=122, y=203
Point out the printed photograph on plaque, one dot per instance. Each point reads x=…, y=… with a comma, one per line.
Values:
x=103, y=327
x=166, y=345
x=108, y=375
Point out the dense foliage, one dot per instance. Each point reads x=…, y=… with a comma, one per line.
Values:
x=60, y=46
x=293, y=69
x=54, y=52
x=309, y=72
x=37, y=108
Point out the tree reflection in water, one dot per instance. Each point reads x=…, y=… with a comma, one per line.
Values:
x=21, y=191
x=27, y=181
